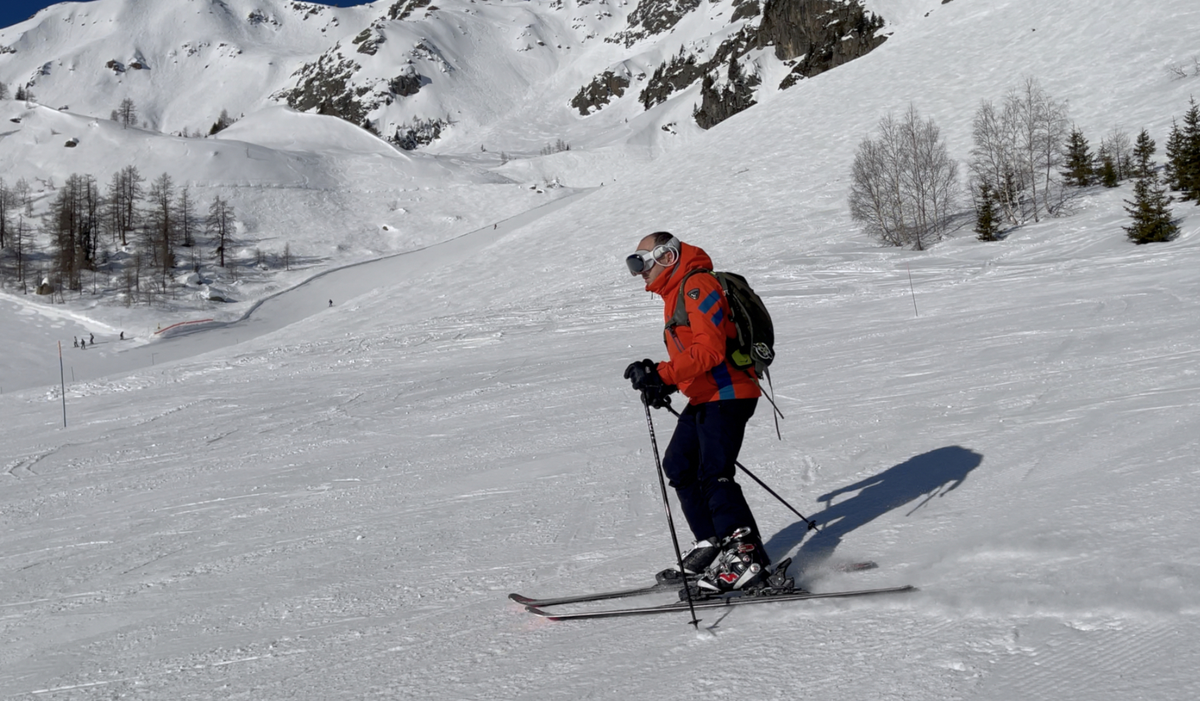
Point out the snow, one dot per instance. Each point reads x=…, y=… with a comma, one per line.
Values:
x=305, y=501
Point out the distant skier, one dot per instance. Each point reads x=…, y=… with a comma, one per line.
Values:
x=92, y=339
x=122, y=335
x=699, y=461
x=75, y=343
x=331, y=302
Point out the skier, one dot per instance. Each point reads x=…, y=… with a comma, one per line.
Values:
x=699, y=461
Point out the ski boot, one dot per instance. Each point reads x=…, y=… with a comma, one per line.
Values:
x=696, y=560
x=742, y=565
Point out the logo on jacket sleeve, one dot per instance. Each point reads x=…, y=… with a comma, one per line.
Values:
x=694, y=294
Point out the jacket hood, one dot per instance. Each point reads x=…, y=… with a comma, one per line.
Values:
x=690, y=258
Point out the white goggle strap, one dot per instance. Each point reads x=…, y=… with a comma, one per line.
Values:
x=661, y=250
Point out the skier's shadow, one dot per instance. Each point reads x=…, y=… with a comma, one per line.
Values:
x=931, y=474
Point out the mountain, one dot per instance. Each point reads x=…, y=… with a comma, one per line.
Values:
x=505, y=75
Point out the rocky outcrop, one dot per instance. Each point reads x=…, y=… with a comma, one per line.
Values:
x=744, y=9
x=368, y=40
x=420, y=133
x=401, y=9
x=815, y=35
x=720, y=102
x=653, y=17
x=406, y=84
x=325, y=86
x=821, y=34
x=599, y=92
x=676, y=74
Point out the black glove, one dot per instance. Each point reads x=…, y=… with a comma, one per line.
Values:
x=643, y=375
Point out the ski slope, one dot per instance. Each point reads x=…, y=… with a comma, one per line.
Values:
x=337, y=508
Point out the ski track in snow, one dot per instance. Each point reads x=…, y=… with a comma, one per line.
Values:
x=337, y=507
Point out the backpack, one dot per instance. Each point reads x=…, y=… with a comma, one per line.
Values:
x=754, y=345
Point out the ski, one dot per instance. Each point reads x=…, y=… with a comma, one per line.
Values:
x=720, y=602
x=594, y=596
x=651, y=589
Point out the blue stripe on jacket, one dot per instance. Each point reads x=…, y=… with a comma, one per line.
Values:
x=724, y=382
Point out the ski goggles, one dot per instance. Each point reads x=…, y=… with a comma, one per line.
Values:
x=640, y=261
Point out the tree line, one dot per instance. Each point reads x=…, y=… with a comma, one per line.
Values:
x=1026, y=161
x=131, y=230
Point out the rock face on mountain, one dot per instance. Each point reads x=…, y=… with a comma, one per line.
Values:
x=600, y=92
x=654, y=18
x=408, y=70
x=720, y=103
x=821, y=34
x=811, y=35
x=326, y=86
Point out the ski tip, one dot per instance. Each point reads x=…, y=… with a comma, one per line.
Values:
x=521, y=599
x=542, y=613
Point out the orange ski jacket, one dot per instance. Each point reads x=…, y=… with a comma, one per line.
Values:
x=696, y=352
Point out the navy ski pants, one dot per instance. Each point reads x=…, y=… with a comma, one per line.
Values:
x=699, y=463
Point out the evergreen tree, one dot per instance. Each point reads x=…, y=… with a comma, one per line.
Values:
x=1150, y=208
x=1108, y=172
x=1080, y=163
x=21, y=94
x=222, y=122
x=987, y=225
x=1174, y=152
x=1187, y=169
x=1143, y=152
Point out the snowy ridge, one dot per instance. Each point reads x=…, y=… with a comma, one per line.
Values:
x=337, y=508
x=500, y=75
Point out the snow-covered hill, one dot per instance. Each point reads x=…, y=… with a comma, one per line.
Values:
x=337, y=508
x=524, y=98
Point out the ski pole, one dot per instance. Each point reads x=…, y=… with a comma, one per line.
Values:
x=812, y=525
x=662, y=485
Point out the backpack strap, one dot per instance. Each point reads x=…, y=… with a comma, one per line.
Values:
x=775, y=412
x=680, y=317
